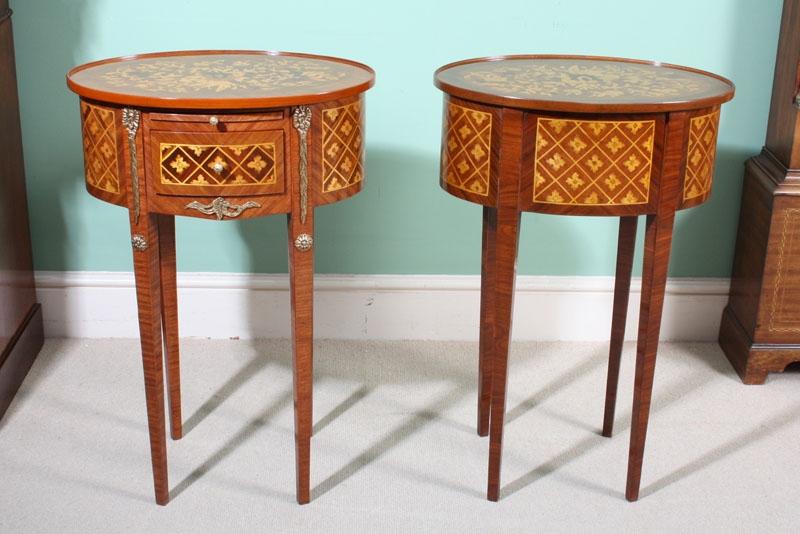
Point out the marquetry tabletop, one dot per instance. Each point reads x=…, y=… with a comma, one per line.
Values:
x=579, y=83
x=221, y=79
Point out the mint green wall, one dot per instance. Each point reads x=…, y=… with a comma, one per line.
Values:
x=402, y=223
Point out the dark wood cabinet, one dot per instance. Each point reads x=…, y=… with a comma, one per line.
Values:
x=760, y=330
x=21, y=334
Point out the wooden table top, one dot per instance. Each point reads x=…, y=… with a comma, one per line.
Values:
x=220, y=79
x=582, y=84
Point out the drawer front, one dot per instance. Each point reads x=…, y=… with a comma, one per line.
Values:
x=588, y=163
x=205, y=155
x=592, y=165
x=191, y=164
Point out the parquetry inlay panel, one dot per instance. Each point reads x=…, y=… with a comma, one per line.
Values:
x=701, y=153
x=342, y=147
x=240, y=165
x=100, y=147
x=467, y=149
x=593, y=162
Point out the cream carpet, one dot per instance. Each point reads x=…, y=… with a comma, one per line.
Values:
x=394, y=447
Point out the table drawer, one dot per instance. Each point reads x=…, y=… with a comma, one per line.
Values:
x=592, y=164
x=217, y=164
x=216, y=155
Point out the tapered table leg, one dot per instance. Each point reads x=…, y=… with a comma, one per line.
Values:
x=486, y=343
x=146, y=265
x=301, y=279
x=622, y=289
x=506, y=240
x=658, y=241
x=169, y=315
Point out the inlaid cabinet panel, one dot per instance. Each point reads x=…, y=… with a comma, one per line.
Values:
x=588, y=162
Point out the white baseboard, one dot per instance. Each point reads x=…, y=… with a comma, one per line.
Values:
x=225, y=305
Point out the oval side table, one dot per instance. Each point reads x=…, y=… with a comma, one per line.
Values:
x=220, y=135
x=576, y=135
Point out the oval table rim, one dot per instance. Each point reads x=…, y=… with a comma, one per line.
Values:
x=580, y=107
x=228, y=103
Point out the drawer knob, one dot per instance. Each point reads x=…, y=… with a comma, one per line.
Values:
x=218, y=167
x=214, y=120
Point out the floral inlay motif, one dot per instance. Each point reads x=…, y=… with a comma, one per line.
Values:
x=466, y=149
x=100, y=147
x=179, y=164
x=257, y=164
x=222, y=74
x=342, y=147
x=610, y=165
x=702, y=151
x=570, y=79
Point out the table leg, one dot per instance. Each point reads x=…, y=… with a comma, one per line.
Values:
x=505, y=270
x=622, y=289
x=169, y=317
x=486, y=343
x=658, y=242
x=146, y=265
x=301, y=279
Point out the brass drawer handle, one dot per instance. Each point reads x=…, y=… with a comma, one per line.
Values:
x=222, y=208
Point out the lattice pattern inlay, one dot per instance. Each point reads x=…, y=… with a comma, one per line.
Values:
x=588, y=163
x=100, y=147
x=467, y=149
x=701, y=153
x=229, y=165
x=342, y=147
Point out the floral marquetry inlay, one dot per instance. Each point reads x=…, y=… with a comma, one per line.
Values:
x=467, y=148
x=203, y=165
x=181, y=76
x=100, y=147
x=342, y=147
x=593, y=162
x=700, y=155
x=216, y=76
x=584, y=81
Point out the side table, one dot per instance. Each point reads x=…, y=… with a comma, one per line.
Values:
x=576, y=135
x=220, y=135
